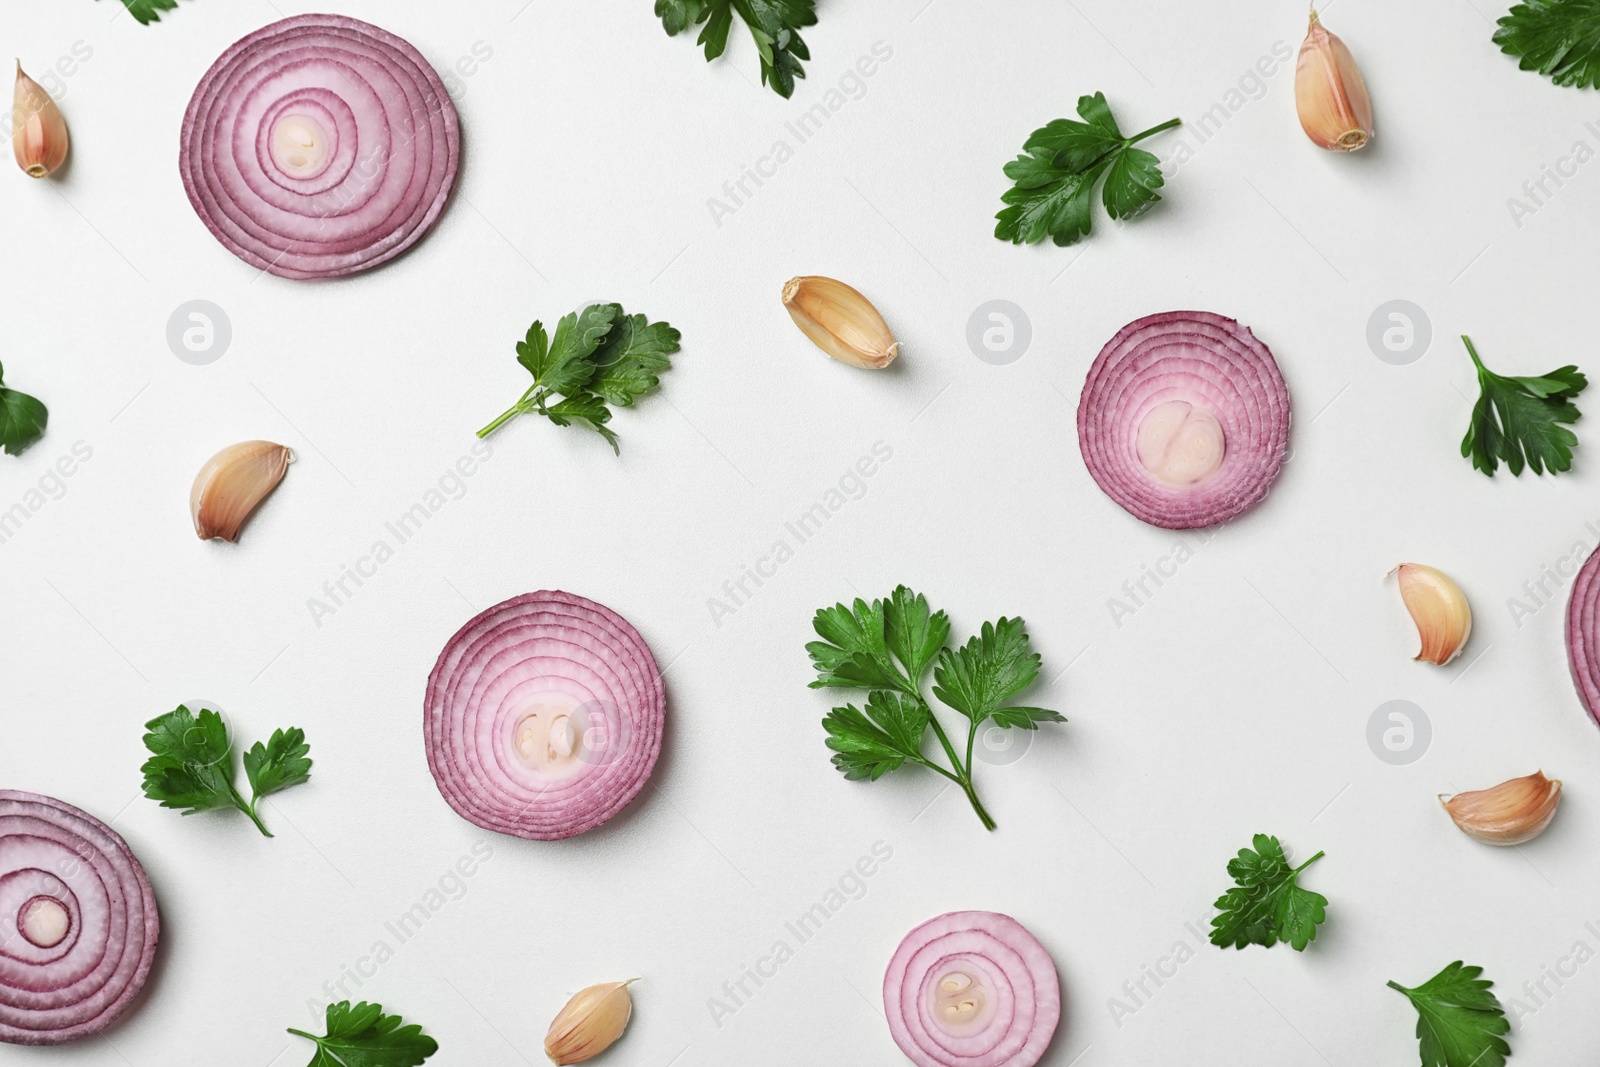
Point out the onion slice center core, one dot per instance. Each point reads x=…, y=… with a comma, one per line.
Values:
x=960, y=1000
x=301, y=148
x=1180, y=443
x=44, y=921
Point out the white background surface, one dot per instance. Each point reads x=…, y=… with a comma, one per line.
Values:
x=1235, y=701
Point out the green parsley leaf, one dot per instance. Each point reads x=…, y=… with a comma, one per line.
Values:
x=628, y=362
x=989, y=670
x=148, y=11
x=564, y=366
x=1054, y=180
x=191, y=764
x=599, y=356
x=278, y=764
x=1523, y=420
x=1558, y=38
x=1267, y=905
x=774, y=25
x=1459, y=1022
x=887, y=647
x=22, y=419
x=912, y=633
x=363, y=1036
x=869, y=744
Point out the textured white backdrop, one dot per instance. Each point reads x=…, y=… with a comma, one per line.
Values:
x=1234, y=701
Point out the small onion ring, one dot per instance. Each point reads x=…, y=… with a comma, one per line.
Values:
x=1583, y=634
x=543, y=717
x=972, y=989
x=78, y=922
x=319, y=146
x=1184, y=419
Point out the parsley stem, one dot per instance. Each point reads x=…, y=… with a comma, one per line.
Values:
x=977, y=805
x=506, y=416
x=302, y=1033
x=249, y=809
x=1308, y=863
x=1473, y=352
x=1152, y=131
x=520, y=407
x=963, y=773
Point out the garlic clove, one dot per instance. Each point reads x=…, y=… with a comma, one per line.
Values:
x=1440, y=610
x=232, y=484
x=841, y=322
x=1509, y=813
x=592, y=1020
x=38, y=132
x=1330, y=94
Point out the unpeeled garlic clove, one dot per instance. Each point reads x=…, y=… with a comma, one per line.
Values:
x=1440, y=610
x=38, y=132
x=591, y=1021
x=1330, y=94
x=841, y=322
x=232, y=484
x=1509, y=813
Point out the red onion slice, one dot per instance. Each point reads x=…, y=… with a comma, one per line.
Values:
x=78, y=922
x=972, y=989
x=544, y=716
x=1583, y=635
x=319, y=146
x=1184, y=419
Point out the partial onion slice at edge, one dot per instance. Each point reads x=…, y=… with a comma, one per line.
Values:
x=78, y=922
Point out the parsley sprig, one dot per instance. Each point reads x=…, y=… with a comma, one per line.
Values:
x=191, y=764
x=887, y=647
x=1267, y=904
x=1558, y=38
x=363, y=1036
x=599, y=356
x=148, y=11
x=1523, y=419
x=774, y=26
x=22, y=419
x=1061, y=165
x=1459, y=1022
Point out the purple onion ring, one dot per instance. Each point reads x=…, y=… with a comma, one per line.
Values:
x=78, y=922
x=1184, y=419
x=543, y=716
x=319, y=146
x=972, y=989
